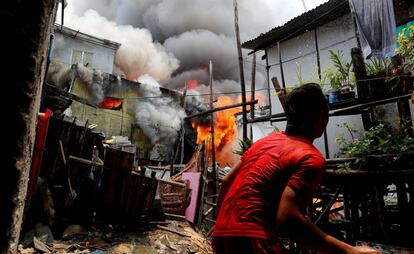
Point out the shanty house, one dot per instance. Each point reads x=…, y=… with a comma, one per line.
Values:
x=72, y=47
x=297, y=50
x=83, y=65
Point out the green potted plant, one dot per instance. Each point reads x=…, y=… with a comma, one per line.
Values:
x=378, y=73
x=340, y=78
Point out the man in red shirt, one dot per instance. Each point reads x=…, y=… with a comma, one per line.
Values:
x=267, y=192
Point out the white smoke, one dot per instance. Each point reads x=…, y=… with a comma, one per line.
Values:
x=159, y=117
x=138, y=53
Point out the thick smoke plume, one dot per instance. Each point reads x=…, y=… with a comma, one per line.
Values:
x=138, y=54
x=160, y=117
x=193, y=31
x=61, y=75
x=173, y=40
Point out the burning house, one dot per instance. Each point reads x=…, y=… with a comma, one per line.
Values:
x=141, y=110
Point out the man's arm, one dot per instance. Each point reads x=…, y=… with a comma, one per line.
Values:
x=292, y=220
x=227, y=182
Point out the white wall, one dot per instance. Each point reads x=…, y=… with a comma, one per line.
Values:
x=301, y=50
x=103, y=57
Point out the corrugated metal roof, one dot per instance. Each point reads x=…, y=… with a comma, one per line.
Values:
x=309, y=20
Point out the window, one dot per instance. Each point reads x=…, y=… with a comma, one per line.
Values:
x=83, y=57
x=112, y=103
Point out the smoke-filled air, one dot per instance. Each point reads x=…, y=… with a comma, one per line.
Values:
x=169, y=43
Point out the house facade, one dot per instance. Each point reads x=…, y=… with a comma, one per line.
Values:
x=296, y=51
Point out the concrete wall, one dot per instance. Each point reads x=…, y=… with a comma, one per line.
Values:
x=103, y=57
x=299, y=56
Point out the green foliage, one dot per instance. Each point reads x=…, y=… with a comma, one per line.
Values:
x=406, y=44
x=339, y=77
x=243, y=146
x=378, y=140
x=299, y=75
x=275, y=129
x=380, y=67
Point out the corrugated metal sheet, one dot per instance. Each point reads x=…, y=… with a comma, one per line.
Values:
x=309, y=20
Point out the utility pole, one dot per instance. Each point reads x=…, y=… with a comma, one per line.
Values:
x=304, y=5
x=242, y=84
x=213, y=150
x=253, y=88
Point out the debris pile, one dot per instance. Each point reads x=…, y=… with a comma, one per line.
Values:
x=170, y=237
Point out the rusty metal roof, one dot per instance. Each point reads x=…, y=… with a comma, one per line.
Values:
x=309, y=20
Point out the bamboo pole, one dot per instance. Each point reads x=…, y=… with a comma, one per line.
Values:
x=242, y=84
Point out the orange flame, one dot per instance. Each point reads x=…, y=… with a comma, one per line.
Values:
x=225, y=129
x=225, y=126
x=191, y=84
x=111, y=103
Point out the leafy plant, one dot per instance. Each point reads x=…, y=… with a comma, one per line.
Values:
x=299, y=74
x=376, y=66
x=406, y=43
x=339, y=77
x=378, y=140
x=243, y=146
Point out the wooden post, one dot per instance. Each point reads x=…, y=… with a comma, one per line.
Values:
x=281, y=93
x=242, y=84
x=354, y=18
x=213, y=150
x=360, y=73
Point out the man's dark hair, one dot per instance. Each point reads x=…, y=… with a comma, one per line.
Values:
x=304, y=103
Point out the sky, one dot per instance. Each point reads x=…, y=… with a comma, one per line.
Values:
x=173, y=40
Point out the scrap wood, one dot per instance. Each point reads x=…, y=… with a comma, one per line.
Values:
x=173, y=231
x=62, y=152
x=39, y=245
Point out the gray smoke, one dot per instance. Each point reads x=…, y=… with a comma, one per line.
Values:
x=94, y=82
x=159, y=117
x=179, y=80
x=59, y=74
x=193, y=31
x=173, y=41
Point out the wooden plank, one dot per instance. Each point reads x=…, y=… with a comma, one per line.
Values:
x=85, y=161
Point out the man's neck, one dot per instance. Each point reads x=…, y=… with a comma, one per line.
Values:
x=292, y=130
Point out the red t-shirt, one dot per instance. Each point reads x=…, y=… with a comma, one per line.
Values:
x=250, y=206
